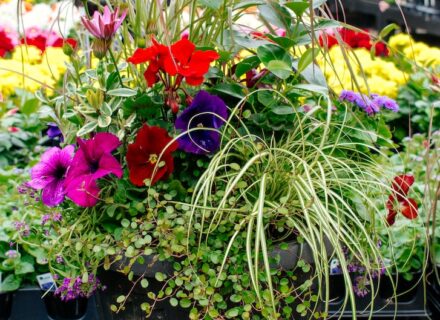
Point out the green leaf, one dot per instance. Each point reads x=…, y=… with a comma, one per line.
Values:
x=212, y=4
x=387, y=29
x=104, y=121
x=307, y=58
x=232, y=313
x=159, y=276
x=280, y=68
x=10, y=283
x=87, y=128
x=313, y=88
x=276, y=59
x=120, y=299
x=144, y=283
x=122, y=92
x=298, y=6
x=275, y=15
x=283, y=110
x=231, y=89
x=30, y=106
x=174, y=302
x=185, y=303
x=23, y=268
x=246, y=65
x=106, y=110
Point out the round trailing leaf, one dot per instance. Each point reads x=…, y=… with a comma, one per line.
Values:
x=185, y=303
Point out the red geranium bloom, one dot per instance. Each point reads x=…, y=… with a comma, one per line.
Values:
x=181, y=59
x=382, y=49
x=398, y=200
x=44, y=38
x=143, y=155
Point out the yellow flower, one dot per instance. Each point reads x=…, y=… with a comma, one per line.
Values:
x=400, y=41
x=26, y=54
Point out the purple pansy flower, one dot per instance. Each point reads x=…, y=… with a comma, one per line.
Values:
x=53, y=132
x=205, y=114
x=49, y=174
x=92, y=161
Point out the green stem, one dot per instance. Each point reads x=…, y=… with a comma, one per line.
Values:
x=116, y=66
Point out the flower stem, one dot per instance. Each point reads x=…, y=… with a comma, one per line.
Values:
x=116, y=66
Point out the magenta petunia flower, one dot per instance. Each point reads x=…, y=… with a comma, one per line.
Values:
x=104, y=26
x=49, y=174
x=92, y=161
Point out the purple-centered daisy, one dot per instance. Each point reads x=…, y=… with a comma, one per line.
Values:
x=49, y=174
x=200, y=121
x=92, y=161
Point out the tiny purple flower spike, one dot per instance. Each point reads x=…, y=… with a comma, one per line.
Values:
x=104, y=26
x=92, y=161
x=53, y=132
x=205, y=114
x=49, y=174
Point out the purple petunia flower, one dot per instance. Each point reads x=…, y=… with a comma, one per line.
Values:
x=200, y=120
x=92, y=161
x=53, y=132
x=49, y=174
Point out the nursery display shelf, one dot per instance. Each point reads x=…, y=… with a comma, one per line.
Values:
x=430, y=23
x=28, y=305
x=414, y=309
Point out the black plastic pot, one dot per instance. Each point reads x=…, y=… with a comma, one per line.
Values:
x=405, y=290
x=58, y=309
x=5, y=305
x=117, y=284
x=336, y=287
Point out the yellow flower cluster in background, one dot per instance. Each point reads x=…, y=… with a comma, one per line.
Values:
x=369, y=73
x=375, y=74
x=29, y=69
x=418, y=51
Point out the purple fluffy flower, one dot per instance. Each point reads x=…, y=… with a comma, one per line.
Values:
x=45, y=219
x=92, y=161
x=49, y=174
x=202, y=118
x=56, y=217
x=385, y=102
x=11, y=254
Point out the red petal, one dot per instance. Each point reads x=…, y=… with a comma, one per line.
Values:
x=194, y=81
x=142, y=55
x=409, y=208
x=391, y=217
x=401, y=185
x=150, y=75
x=182, y=50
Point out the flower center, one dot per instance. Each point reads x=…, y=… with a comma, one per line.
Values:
x=60, y=172
x=153, y=158
x=94, y=166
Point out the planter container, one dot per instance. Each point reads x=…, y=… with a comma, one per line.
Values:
x=5, y=305
x=405, y=290
x=58, y=309
x=117, y=284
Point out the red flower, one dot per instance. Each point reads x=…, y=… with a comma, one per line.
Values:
x=143, y=155
x=8, y=41
x=44, y=38
x=181, y=58
x=382, y=49
x=398, y=200
x=327, y=40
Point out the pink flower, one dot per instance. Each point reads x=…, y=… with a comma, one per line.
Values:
x=49, y=174
x=104, y=26
x=92, y=161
